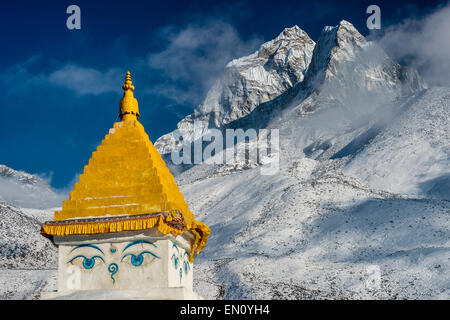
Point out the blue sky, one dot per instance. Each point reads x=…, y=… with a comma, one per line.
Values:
x=61, y=88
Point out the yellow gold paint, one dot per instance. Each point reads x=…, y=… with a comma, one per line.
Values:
x=126, y=176
x=128, y=107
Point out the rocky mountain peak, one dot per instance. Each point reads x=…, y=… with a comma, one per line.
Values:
x=289, y=34
x=344, y=61
x=248, y=82
x=21, y=177
x=342, y=69
x=338, y=43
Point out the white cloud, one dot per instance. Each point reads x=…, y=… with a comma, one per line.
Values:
x=87, y=80
x=423, y=44
x=195, y=57
x=81, y=80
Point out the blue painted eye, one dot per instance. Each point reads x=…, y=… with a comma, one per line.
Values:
x=175, y=261
x=137, y=259
x=186, y=267
x=88, y=263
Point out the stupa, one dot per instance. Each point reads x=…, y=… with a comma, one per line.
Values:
x=126, y=230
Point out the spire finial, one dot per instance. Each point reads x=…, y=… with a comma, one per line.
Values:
x=128, y=83
x=128, y=107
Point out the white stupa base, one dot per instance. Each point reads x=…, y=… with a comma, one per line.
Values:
x=176, y=293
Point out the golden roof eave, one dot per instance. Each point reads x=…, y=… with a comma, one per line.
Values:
x=165, y=222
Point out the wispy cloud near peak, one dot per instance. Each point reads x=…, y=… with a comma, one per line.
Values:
x=87, y=80
x=423, y=44
x=79, y=79
x=195, y=56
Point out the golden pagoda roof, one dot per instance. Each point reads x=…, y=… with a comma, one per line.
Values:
x=126, y=186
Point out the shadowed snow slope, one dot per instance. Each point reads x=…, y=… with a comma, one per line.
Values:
x=361, y=191
x=293, y=236
x=412, y=154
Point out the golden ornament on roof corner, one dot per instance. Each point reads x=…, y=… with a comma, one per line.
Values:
x=126, y=186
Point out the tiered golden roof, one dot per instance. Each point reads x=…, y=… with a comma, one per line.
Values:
x=126, y=186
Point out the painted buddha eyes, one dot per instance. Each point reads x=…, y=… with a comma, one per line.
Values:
x=176, y=262
x=137, y=259
x=180, y=261
x=133, y=258
x=88, y=263
x=187, y=266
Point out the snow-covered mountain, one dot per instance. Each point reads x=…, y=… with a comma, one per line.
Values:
x=360, y=206
x=247, y=83
x=343, y=70
x=311, y=232
x=21, y=245
x=362, y=186
x=27, y=260
x=411, y=154
x=27, y=190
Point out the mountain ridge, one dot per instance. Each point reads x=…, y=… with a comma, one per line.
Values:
x=336, y=46
x=22, y=189
x=276, y=66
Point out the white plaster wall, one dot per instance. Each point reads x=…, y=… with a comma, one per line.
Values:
x=154, y=272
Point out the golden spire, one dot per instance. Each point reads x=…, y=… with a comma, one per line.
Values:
x=128, y=107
